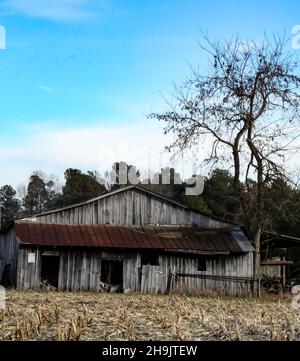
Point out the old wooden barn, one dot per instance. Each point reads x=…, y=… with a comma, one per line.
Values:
x=130, y=240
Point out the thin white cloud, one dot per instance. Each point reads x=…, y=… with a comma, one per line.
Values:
x=46, y=88
x=2, y=37
x=56, y=10
x=141, y=144
x=97, y=148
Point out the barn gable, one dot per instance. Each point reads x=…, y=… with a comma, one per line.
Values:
x=132, y=205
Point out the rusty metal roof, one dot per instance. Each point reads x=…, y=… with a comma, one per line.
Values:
x=171, y=238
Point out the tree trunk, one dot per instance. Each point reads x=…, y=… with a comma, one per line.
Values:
x=257, y=235
x=260, y=200
x=236, y=158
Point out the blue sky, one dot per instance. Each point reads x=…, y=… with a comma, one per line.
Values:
x=79, y=76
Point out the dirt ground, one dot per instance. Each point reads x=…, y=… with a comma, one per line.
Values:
x=93, y=316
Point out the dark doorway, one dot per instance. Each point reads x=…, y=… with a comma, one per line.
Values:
x=149, y=258
x=6, y=276
x=50, y=270
x=112, y=271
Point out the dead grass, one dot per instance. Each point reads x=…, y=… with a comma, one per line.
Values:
x=93, y=316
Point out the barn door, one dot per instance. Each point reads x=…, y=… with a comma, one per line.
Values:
x=151, y=279
x=111, y=275
x=50, y=270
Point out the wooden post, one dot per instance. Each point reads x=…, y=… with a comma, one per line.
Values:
x=169, y=283
x=283, y=272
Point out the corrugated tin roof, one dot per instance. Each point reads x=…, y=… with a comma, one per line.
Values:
x=242, y=241
x=113, y=236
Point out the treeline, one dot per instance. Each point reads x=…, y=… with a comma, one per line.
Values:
x=43, y=193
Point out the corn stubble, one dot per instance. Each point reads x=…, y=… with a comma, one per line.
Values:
x=92, y=316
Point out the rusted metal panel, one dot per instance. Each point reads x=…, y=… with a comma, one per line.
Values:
x=126, y=235
x=73, y=235
x=101, y=234
x=66, y=235
x=151, y=238
x=111, y=236
x=49, y=235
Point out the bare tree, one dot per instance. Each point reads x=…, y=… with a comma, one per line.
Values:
x=248, y=106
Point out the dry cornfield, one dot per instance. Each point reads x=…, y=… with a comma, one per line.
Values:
x=93, y=316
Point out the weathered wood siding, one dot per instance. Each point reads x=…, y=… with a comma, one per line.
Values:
x=152, y=280
x=274, y=271
x=8, y=254
x=78, y=270
x=28, y=274
x=81, y=271
x=132, y=272
x=131, y=207
x=228, y=266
